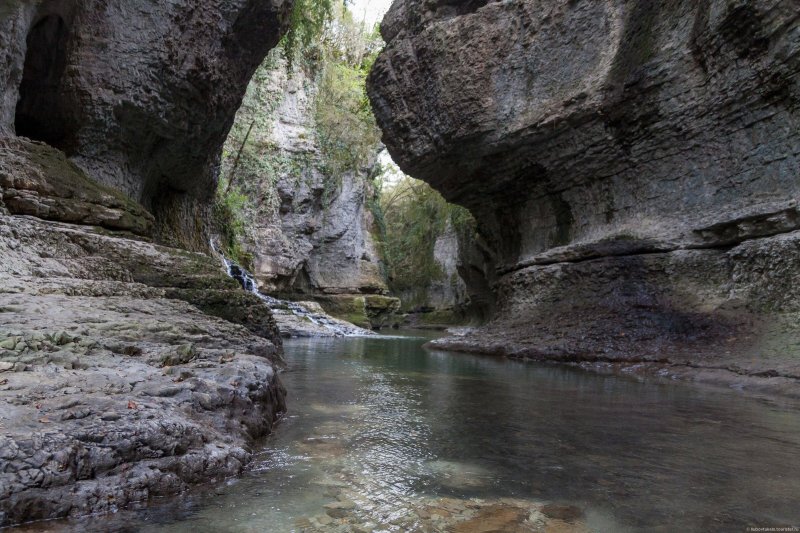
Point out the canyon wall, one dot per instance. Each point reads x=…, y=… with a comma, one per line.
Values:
x=128, y=369
x=633, y=165
x=310, y=232
x=445, y=299
x=139, y=95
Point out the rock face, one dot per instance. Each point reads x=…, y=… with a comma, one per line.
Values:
x=128, y=369
x=115, y=385
x=634, y=166
x=450, y=291
x=310, y=233
x=38, y=180
x=139, y=95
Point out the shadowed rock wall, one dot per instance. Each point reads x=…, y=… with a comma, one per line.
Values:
x=140, y=95
x=589, y=136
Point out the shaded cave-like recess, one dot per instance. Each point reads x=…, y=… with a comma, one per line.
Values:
x=39, y=113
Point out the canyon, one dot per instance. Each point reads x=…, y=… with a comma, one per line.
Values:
x=309, y=234
x=633, y=170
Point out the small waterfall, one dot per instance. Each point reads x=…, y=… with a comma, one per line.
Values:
x=338, y=328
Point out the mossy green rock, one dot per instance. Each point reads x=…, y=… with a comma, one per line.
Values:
x=381, y=310
x=371, y=311
x=182, y=355
x=350, y=307
x=38, y=180
x=8, y=344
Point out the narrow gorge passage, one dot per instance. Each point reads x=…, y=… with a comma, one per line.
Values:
x=377, y=266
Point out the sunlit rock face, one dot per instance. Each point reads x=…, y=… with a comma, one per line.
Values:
x=310, y=230
x=140, y=95
x=616, y=155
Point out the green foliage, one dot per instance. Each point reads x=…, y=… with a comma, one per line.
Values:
x=346, y=130
x=228, y=213
x=306, y=24
x=334, y=54
x=347, y=133
x=413, y=216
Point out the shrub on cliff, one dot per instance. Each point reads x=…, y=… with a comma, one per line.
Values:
x=346, y=129
x=413, y=216
x=229, y=220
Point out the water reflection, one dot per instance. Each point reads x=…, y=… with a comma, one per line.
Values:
x=378, y=427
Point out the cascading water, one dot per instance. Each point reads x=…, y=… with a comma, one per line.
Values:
x=336, y=327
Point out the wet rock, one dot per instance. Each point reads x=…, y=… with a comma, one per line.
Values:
x=339, y=509
x=567, y=513
x=494, y=518
x=421, y=513
x=323, y=520
x=380, y=310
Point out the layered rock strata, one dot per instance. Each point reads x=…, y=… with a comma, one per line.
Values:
x=140, y=95
x=114, y=387
x=634, y=166
x=128, y=369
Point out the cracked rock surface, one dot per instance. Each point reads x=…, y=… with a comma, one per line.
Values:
x=114, y=385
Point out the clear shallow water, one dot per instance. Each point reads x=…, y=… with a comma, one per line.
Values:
x=388, y=425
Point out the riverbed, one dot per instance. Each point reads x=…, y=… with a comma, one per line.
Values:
x=381, y=434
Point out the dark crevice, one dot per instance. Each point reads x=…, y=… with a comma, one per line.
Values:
x=39, y=113
x=456, y=8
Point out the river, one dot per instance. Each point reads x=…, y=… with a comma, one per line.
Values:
x=384, y=433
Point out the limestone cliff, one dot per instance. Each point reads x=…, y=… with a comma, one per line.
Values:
x=634, y=165
x=128, y=368
x=447, y=300
x=308, y=231
x=139, y=95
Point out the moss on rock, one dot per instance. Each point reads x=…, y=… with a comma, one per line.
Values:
x=38, y=180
